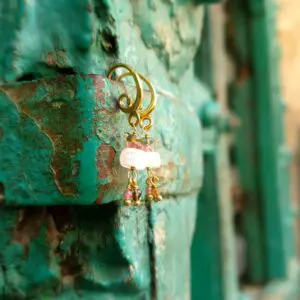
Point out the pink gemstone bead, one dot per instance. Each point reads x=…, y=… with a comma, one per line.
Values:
x=148, y=148
x=128, y=195
x=149, y=191
x=140, y=146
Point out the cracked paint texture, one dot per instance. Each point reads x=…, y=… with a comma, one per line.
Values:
x=62, y=137
x=61, y=134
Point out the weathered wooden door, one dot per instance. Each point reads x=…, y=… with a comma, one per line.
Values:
x=260, y=263
x=262, y=157
x=214, y=268
x=64, y=232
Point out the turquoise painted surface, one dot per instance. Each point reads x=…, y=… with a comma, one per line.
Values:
x=265, y=182
x=61, y=134
x=214, y=269
x=242, y=103
x=206, y=256
x=100, y=252
x=71, y=252
x=88, y=36
x=102, y=34
x=61, y=140
x=171, y=246
x=260, y=140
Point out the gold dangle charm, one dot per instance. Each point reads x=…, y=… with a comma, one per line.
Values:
x=152, y=181
x=132, y=195
x=152, y=191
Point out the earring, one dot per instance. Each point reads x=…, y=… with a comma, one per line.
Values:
x=138, y=153
x=153, y=158
x=130, y=157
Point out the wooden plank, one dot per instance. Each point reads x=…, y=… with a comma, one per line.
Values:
x=214, y=273
x=242, y=103
x=224, y=180
x=266, y=93
x=207, y=280
x=171, y=246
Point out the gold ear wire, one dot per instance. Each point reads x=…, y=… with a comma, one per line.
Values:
x=145, y=114
x=131, y=105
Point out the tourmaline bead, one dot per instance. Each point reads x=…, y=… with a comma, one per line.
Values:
x=128, y=195
x=140, y=146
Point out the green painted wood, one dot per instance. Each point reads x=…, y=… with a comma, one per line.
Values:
x=171, y=246
x=52, y=248
x=209, y=1
x=39, y=59
x=207, y=282
x=206, y=252
x=279, y=289
x=270, y=137
x=75, y=252
x=214, y=269
x=224, y=180
x=214, y=274
x=203, y=67
x=243, y=105
x=256, y=98
x=89, y=36
x=55, y=150
x=228, y=240
x=99, y=252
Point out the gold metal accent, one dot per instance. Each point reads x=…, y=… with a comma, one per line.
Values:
x=134, y=119
x=152, y=182
x=137, y=115
x=131, y=105
x=146, y=123
x=133, y=188
x=146, y=113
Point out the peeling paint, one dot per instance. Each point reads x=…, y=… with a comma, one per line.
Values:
x=64, y=126
x=62, y=134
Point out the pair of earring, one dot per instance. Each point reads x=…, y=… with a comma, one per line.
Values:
x=138, y=154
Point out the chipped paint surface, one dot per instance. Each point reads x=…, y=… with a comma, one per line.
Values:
x=61, y=134
x=172, y=246
x=62, y=140
x=88, y=248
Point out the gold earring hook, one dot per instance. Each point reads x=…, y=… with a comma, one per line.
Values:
x=145, y=118
x=146, y=112
x=137, y=116
x=131, y=105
